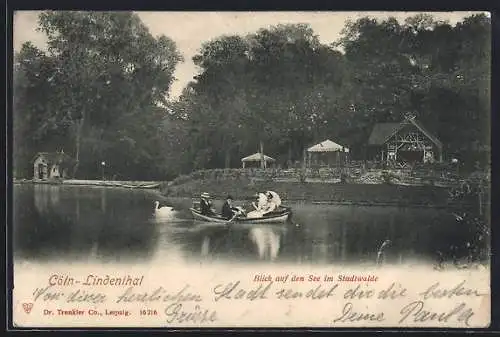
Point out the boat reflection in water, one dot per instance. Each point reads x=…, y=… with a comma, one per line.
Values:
x=240, y=243
x=267, y=240
x=205, y=246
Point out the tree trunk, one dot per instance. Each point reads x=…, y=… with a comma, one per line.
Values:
x=262, y=161
x=227, y=161
x=480, y=200
x=78, y=135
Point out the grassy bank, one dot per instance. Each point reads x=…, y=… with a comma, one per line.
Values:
x=244, y=189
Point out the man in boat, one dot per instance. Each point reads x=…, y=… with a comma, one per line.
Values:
x=228, y=210
x=206, y=205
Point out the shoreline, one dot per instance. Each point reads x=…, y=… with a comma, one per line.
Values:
x=299, y=202
x=101, y=183
x=348, y=194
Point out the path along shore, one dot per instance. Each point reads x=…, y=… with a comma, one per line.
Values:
x=104, y=183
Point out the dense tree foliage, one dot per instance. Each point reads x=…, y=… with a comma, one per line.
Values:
x=100, y=91
x=283, y=87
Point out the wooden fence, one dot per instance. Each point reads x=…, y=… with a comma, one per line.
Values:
x=354, y=172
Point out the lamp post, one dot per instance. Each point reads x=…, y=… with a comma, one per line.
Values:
x=103, y=164
x=455, y=162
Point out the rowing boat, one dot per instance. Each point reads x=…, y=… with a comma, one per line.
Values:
x=279, y=216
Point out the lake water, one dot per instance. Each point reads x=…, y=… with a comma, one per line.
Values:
x=115, y=225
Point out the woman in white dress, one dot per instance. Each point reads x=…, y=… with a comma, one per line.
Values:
x=273, y=197
x=260, y=207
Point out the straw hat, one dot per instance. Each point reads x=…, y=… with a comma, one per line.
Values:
x=205, y=195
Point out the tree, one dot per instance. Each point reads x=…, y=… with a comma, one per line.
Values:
x=263, y=87
x=34, y=125
x=102, y=89
x=426, y=67
x=109, y=82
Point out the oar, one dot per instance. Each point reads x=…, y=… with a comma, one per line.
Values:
x=231, y=220
x=234, y=217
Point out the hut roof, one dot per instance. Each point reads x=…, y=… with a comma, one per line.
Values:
x=327, y=146
x=257, y=157
x=382, y=132
x=426, y=132
x=55, y=157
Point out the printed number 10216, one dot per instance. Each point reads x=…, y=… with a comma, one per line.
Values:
x=148, y=312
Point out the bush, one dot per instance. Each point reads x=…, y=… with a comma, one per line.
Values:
x=387, y=177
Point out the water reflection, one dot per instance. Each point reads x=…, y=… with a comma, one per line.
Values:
x=107, y=224
x=103, y=200
x=205, y=246
x=79, y=223
x=267, y=240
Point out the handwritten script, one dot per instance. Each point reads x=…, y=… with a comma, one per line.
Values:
x=340, y=301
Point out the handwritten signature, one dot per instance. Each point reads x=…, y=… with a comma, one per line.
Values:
x=418, y=312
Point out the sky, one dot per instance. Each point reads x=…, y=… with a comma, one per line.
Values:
x=190, y=29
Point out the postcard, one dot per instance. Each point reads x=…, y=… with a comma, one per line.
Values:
x=251, y=169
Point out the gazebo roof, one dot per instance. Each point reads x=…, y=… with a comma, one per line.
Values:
x=256, y=157
x=327, y=146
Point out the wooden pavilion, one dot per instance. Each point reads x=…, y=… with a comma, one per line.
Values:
x=326, y=153
x=257, y=158
x=407, y=141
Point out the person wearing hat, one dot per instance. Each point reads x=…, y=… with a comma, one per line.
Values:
x=206, y=205
x=228, y=211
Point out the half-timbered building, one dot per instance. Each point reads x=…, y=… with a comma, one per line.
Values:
x=407, y=141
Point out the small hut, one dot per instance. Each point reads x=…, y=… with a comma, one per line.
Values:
x=51, y=165
x=406, y=141
x=326, y=153
x=256, y=158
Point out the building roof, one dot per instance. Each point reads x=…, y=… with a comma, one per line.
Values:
x=327, y=146
x=426, y=132
x=382, y=132
x=256, y=157
x=55, y=157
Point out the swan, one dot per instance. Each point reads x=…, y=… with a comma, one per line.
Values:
x=162, y=211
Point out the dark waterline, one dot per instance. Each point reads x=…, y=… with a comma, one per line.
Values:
x=110, y=224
